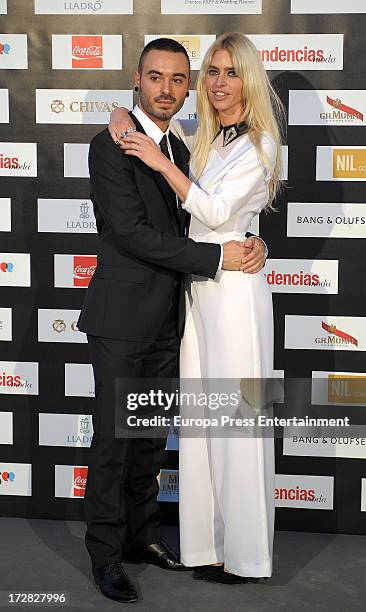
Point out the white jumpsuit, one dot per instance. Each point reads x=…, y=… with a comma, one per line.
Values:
x=226, y=483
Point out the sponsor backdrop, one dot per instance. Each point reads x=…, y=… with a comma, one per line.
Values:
x=65, y=65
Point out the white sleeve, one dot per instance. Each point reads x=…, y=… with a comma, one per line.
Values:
x=235, y=191
x=185, y=130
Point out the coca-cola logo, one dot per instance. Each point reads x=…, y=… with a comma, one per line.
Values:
x=80, y=478
x=82, y=272
x=80, y=482
x=82, y=52
x=84, y=268
x=87, y=51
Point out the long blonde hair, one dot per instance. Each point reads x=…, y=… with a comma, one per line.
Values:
x=263, y=110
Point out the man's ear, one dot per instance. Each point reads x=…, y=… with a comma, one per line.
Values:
x=137, y=78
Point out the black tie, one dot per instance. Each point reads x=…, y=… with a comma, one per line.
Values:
x=164, y=146
x=165, y=151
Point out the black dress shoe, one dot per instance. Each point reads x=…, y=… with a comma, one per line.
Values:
x=158, y=554
x=114, y=582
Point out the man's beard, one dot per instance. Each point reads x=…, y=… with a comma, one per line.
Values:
x=163, y=115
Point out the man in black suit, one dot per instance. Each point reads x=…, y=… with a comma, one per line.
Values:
x=133, y=315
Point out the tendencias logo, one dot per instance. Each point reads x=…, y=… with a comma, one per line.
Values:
x=297, y=279
x=9, y=162
x=300, y=51
x=18, y=378
x=302, y=275
x=87, y=52
x=304, y=491
x=9, y=380
x=18, y=159
x=294, y=494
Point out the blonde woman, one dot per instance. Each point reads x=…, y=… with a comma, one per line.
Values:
x=226, y=483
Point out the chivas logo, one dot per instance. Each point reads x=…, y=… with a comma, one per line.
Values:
x=59, y=326
x=57, y=106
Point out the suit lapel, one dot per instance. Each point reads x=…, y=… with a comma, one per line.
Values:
x=165, y=189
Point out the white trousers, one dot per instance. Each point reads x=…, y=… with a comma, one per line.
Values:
x=227, y=483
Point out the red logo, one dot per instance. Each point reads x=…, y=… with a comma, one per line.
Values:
x=338, y=105
x=346, y=338
x=295, y=494
x=299, y=278
x=8, y=380
x=87, y=51
x=80, y=477
x=10, y=163
x=84, y=268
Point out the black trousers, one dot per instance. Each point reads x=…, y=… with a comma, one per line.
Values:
x=121, y=505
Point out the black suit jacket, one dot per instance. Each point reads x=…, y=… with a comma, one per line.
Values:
x=144, y=249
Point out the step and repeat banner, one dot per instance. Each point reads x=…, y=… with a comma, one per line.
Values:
x=65, y=65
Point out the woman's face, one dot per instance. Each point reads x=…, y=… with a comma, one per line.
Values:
x=224, y=87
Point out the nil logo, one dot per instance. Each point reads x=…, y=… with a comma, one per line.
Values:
x=6, y=477
x=6, y=266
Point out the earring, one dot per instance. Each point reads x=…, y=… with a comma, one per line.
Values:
x=136, y=88
x=187, y=94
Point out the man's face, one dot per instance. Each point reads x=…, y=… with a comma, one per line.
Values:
x=163, y=83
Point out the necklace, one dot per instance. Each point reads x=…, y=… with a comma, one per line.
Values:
x=231, y=132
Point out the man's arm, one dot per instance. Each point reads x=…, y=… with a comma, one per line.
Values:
x=114, y=188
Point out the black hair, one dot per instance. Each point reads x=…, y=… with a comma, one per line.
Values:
x=162, y=44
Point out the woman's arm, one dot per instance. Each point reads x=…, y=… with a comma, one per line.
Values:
x=234, y=192
x=142, y=146
x=213, y=209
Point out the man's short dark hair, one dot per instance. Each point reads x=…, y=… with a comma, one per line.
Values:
x=162, y=44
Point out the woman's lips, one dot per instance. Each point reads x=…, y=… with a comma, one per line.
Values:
x=217, y=96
